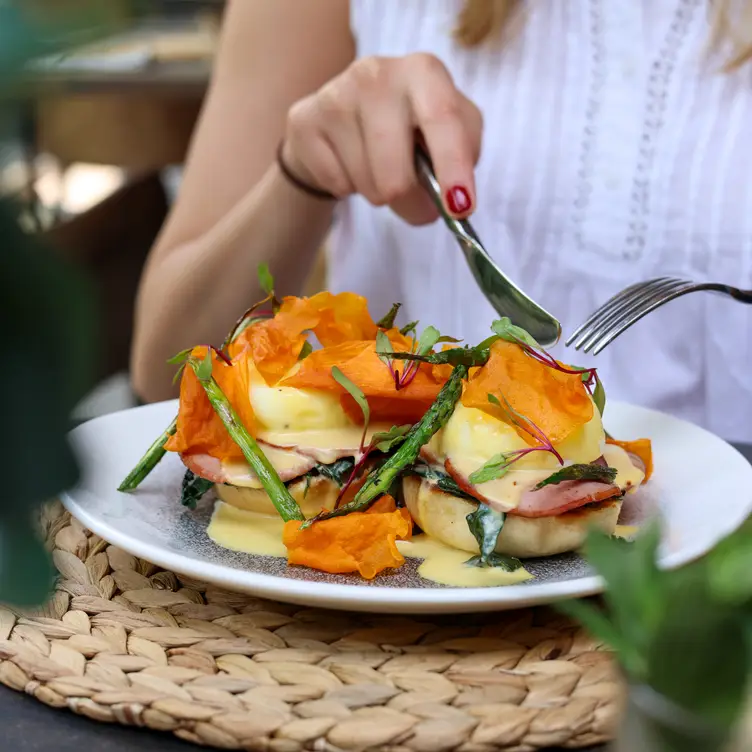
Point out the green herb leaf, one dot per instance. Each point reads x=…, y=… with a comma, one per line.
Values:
x=180, y=357
x=494, y=400
x=485, y=524
x=730, y=568
x=599, y=395
x=409, y=328
x=265, y=278
x=385, y=441
x=305, y=351
x=178, y=373
x=589, y=471
x=635, y=592
x=387, y=322
x=193, y=489
x=496, y=467
x=507, y=331
x=497, y=561
x=696, y=655
x=204, y=370
x=428, y=339
x=357, y=394
x=384, y=348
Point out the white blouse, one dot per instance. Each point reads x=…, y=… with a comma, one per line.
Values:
x=613, y=152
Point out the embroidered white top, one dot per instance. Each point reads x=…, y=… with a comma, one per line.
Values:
x=613, y=152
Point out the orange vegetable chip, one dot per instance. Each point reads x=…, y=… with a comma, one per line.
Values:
x=642, y=448
x=360, y=363
x=556, y=402
x=363, y=542
x=199, y=428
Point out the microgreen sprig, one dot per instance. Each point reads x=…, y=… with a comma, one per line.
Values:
x=421, y=349
x=498, y=466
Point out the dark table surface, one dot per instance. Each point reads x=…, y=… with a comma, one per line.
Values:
x=30, y=726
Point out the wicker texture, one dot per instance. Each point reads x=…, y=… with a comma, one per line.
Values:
x=125, y=642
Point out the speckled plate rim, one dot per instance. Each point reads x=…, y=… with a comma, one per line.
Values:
x=726, y=460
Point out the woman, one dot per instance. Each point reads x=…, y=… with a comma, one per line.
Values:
x=614, y=149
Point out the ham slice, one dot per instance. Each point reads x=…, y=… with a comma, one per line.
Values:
x=548, y=501
x=289, y=465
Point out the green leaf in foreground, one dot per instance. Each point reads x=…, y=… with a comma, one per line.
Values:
x=589, y=471
x=265, y=278
x=357, y=394
x=387, y=321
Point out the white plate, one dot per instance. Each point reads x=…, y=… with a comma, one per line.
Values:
x=702, y=486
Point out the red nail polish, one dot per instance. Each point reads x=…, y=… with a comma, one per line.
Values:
x=458, y=199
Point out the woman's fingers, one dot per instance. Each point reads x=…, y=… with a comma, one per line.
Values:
x=445, y=119
x=357, y=135
x=310, y=155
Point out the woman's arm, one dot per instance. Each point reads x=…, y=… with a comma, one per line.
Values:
x=235, y=209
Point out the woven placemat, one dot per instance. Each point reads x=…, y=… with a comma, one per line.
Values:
x=127, y=642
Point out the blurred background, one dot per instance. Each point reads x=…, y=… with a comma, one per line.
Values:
x=97, y=136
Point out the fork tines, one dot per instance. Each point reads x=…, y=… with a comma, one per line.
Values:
x=624, y=309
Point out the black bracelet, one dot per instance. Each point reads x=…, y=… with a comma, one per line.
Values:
x=297, y=182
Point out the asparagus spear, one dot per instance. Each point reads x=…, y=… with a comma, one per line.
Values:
x=434, y=419
x=465, y=356
x=286, y=506
x=150, y=460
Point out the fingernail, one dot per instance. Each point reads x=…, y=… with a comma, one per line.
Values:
x=458, y=199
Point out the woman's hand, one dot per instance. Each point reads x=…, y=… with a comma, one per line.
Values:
x=356, y=135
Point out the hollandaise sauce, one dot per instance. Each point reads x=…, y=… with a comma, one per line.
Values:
x=261, y=534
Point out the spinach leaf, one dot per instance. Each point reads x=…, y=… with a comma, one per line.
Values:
x=193, y=488
x=338, y=471
x=590, y=471
x=485, y=524
x=443, y=482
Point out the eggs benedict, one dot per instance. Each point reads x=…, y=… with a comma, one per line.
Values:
x=526, y=442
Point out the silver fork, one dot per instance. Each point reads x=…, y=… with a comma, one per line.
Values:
x=501, y=292
x=616, y=315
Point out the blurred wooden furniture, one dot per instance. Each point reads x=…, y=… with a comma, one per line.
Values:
x=111, y=242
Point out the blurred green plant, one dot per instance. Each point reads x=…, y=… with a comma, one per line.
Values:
x=48, y=313
x=686, y=634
